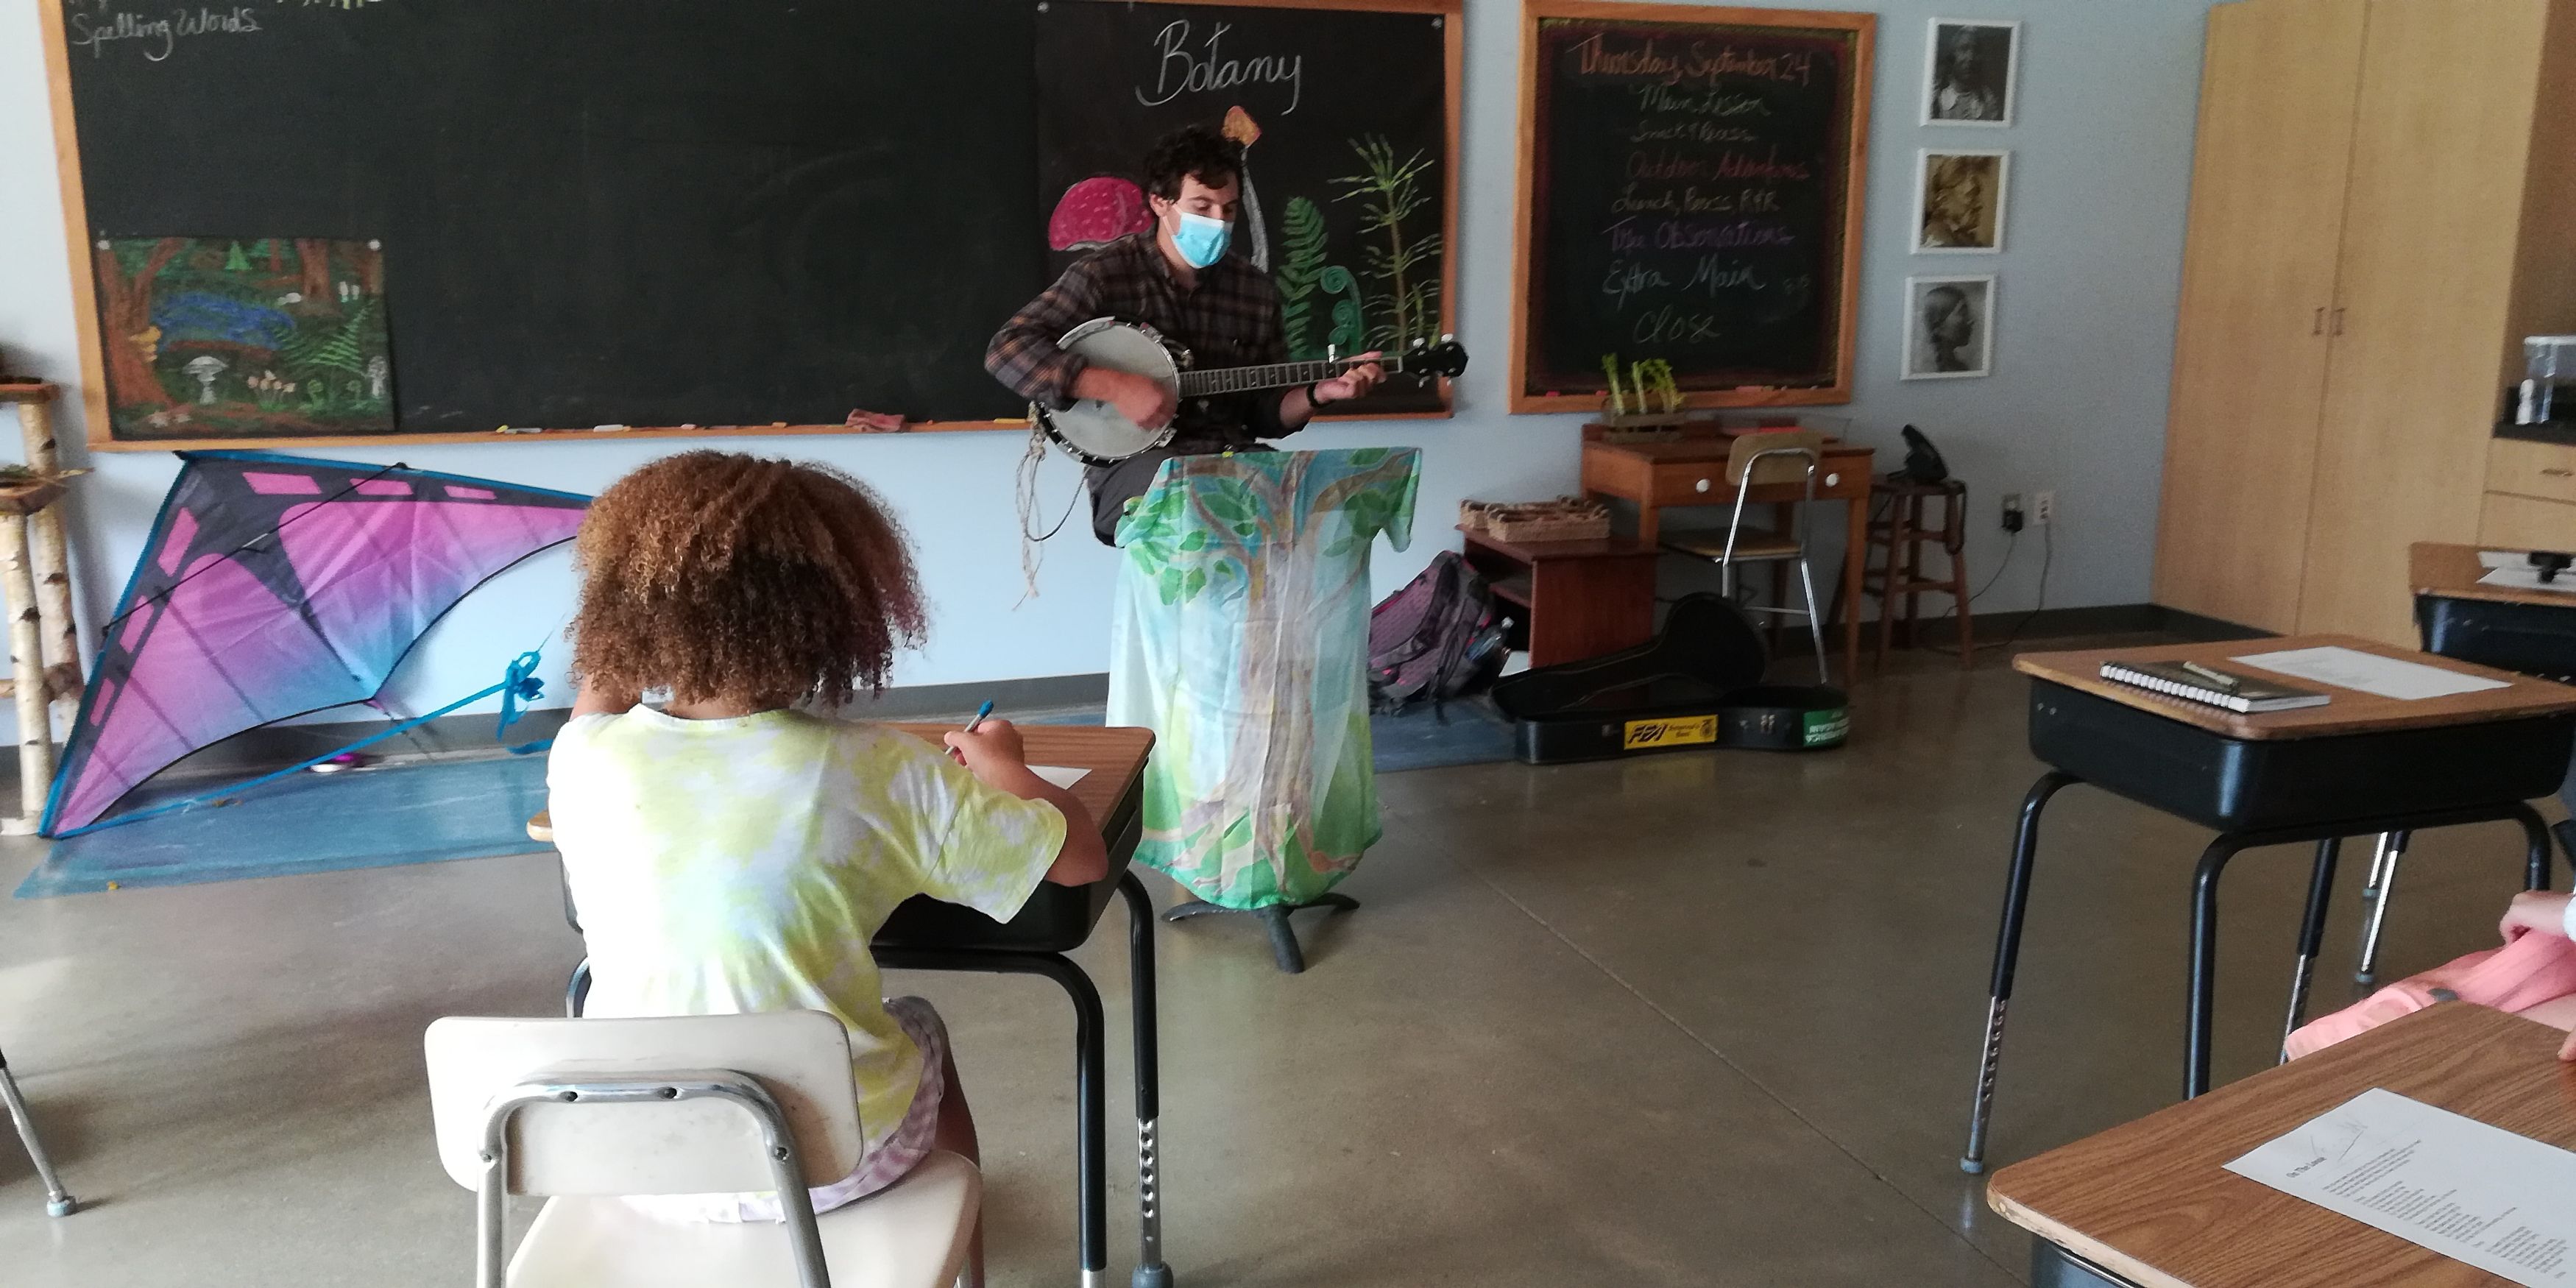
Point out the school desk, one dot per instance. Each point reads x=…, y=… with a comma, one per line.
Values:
x=2516, y=629
x=2358, y=766
x=924, y=934
x=1691, y=471
x=2150, y=1203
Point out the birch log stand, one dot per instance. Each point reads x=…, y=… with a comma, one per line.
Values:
x=35, y=573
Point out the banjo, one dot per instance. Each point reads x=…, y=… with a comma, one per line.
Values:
x=1096, y=433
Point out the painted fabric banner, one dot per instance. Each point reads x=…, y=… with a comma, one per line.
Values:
x=1240, y=637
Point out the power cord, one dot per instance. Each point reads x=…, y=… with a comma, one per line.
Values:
x=2048, y=556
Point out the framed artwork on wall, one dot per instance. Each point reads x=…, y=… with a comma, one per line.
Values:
x=1969, y=68
x=1959, y=200
x=1949, y=327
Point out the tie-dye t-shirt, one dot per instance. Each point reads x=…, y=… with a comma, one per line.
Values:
x=726, y=866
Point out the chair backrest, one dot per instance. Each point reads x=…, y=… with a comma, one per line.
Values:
x=688, y=1146
x=1784, y=456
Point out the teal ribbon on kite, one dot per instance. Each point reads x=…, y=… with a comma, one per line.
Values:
x=520, y=684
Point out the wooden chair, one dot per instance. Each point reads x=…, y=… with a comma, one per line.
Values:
x=1765, y=460
x=1902, y=535
x=589, y=1110
x=58, y=1201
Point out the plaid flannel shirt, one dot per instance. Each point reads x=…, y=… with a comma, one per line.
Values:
x=1231, y=319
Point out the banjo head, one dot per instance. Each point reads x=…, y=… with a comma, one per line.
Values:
x=1092, y=431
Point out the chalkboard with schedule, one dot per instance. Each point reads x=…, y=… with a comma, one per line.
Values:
x=1690, y=194
x=678, y=216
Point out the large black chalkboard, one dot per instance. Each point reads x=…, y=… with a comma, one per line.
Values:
x=1349, y=110
x=1691, y=194
x=644, y=212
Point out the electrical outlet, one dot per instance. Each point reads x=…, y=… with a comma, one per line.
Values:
x=2043, y=508
x=2012, y=512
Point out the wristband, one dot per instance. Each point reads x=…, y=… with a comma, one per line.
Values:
x=1315, y=397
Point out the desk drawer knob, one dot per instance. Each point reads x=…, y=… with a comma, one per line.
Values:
x=1700, y=486
x=1832, y=480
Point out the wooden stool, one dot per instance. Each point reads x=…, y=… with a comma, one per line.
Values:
x=1903, y=534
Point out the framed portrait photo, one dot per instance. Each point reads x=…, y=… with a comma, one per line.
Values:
x=1959, y=200
x=1968, y=72
x=1949, y=327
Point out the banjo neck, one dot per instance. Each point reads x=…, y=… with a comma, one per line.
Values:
x=1276, y=375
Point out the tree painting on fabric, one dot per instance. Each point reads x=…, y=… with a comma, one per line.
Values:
x=214, y=337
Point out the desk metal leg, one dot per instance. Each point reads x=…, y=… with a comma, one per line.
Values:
x=58, y=1201
x=2007, y=957
x=2204, y=959
x=1151, y=1272
x=2385, y=856
x=2312, y=933
x=1090, y=1140
x=2535, y=835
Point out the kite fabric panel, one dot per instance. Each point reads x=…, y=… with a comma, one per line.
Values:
x=272, y=586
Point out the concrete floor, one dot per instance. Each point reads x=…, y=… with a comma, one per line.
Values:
x=1695, y=1019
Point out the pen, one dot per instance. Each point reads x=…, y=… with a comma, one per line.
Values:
x=972, y=726
x=2220, y=678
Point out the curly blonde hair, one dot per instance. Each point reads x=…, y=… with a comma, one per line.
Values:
x=725, y=577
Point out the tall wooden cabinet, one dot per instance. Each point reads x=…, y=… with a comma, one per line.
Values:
x=2383, y=205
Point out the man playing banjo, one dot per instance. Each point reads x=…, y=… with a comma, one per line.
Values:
x=1178, y=280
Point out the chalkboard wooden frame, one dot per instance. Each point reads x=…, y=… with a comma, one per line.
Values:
x=1863, y=28
x=99, y=425
x=1454, y=48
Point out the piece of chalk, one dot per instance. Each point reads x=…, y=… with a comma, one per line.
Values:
x=606, y=429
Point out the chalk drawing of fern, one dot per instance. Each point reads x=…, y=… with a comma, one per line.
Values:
x=1300, y=274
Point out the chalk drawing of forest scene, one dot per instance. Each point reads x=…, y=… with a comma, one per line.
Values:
x=213, y=337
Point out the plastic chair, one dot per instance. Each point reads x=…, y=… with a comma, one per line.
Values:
x=1765, y=460
x=587, y=1110
x=58, y=1201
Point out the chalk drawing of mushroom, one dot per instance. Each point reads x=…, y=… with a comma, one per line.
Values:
x=203, y=370
x=377, y=370
x=1240, y=128
x=1096, y=212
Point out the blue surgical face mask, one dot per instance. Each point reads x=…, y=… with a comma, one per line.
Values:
x=1201, y=240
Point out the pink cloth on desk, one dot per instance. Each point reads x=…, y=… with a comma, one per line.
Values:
x=2534, y=975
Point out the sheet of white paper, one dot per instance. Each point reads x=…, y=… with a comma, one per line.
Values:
x=1059, y=775
x=2526, y=577
x=2353, y=669
x=2503, y=559
x=2471, y=1192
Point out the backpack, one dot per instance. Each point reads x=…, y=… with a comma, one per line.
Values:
x=1438, y=638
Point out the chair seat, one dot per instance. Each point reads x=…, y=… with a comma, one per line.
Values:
x=909, y=1235
x=1750, y=543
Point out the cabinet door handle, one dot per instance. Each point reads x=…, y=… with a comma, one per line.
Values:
x=2554, y=472
x=2319, y=328
x=2338, y=319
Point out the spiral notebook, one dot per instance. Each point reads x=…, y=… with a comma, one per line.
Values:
x=2213, y=686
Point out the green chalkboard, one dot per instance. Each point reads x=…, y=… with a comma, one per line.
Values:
x=1691, y=194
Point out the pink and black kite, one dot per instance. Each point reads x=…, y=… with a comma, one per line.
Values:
x=273, y=586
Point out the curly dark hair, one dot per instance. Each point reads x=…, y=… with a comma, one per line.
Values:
x=725, y=577
x=1195, y=152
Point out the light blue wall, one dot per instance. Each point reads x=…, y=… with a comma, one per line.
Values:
x=2085, y=317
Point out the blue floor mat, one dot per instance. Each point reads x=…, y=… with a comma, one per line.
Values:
x=472, y=809
x=410, y=813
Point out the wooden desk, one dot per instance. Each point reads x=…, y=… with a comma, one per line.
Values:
x=2361, y=765
x=1692, y=472
x=925, y=934
x=2152, y=1203
x=2351, y=711
x=2530, y=631
x=1579, y=598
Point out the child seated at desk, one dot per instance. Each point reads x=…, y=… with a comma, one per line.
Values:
x=2540, y=912
x=736, y=849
